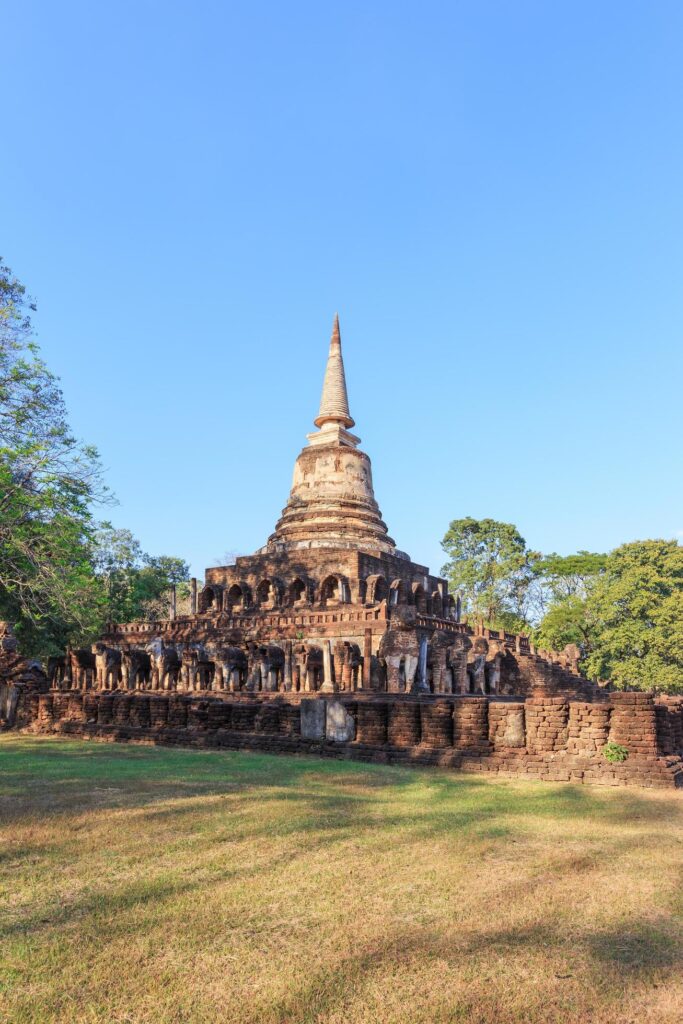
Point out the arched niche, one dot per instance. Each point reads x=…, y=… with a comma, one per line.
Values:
x=377, y=589
x=237, y=598
x=267, y=594
x=210, y=599
x=296, y=592
x=333, y=591
x=419, y=597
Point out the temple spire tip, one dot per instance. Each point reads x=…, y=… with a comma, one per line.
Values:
x=334, y=402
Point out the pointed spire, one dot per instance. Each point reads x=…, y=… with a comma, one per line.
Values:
x=334, y=403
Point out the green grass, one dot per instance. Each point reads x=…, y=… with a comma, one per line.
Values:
x=140, y=884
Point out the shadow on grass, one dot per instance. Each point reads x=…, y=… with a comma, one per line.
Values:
x=53, y=778
x=643, y=952
x=29, y=766
x=99, y=904
x=318, y=803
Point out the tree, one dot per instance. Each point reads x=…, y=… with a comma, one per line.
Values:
x=637, y=606
x=48, y=483
x=116, y=557
x=570, y=575
x=565, y=582
x=566, y=622
x=61, y=577
x=624, y=611
x=136, y=585
x=155, y=583
x=491, y=567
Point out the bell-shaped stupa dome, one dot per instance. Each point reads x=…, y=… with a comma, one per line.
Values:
x=332, y=502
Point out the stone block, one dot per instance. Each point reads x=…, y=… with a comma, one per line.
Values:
x=312, y=719
x=513, y=730
x=340, y=726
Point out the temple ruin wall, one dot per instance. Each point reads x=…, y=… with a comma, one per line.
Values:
x=544, y=737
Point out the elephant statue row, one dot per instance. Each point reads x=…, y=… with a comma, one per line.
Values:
x=408, y=660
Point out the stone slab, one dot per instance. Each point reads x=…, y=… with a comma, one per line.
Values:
x=514, y=728
x=340, y=726
x=313, y=719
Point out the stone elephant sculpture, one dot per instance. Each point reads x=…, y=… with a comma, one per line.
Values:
x=456, y=662
x=166, y=666
x=59, y=672
x=231, y=669
x=399, y=650
x=347, y=663
x=107, y=666
x=476, y=665
x=197, y=671
x=266, y=665
x=136, y=669
x=308, y=667
x=82, y=669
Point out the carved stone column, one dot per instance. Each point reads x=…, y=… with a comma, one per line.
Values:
x=367, y=660
x=288, y=666
x=328, y=680
x=422, y=684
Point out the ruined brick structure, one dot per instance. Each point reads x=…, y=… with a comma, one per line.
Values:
x=21, y=680
x=330, y=638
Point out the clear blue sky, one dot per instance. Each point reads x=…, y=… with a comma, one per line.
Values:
x=490, y=193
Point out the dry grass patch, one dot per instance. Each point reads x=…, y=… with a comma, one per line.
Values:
x=178, y=887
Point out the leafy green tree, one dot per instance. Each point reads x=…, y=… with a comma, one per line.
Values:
x=117, y=558
x=565, y=622
x=61, y=577
x=570, y=575
x=492, y=568
x=136, y=585
x=637, y=607
x=154, y=585
x=624, y=611
x=48, y=483
x=565, y=582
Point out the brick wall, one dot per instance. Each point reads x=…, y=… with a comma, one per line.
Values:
x=546, y=737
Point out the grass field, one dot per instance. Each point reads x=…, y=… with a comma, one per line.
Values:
x=147, y=885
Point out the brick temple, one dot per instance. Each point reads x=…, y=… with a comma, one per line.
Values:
x=329, y=604
x=329, y=639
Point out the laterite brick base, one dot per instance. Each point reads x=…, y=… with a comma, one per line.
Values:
x=548, y=738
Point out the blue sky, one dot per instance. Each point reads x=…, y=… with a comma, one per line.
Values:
x=488, y=192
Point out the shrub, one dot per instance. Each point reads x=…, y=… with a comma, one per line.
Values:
x=614, y=753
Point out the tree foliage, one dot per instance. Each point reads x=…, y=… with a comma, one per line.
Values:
x=565, y=583
x=54, y=586
x=492, y=569
x=623, y=610
x=637, y=610
x=48, y=483
x=136, y=585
